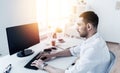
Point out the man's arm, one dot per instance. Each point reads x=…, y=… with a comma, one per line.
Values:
x=63, y=53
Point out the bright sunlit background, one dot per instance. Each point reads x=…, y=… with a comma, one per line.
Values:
x=52, y=14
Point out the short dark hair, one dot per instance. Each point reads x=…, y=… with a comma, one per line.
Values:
x=90, y=17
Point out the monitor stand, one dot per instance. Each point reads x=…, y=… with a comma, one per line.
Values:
x=25, y=53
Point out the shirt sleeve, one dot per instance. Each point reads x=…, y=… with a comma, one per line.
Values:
x=87, y=62
x=75, y=51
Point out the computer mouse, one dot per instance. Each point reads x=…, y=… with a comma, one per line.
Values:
x=54, y=48
x=47, y=50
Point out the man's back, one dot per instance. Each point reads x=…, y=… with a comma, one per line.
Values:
x=94, y=56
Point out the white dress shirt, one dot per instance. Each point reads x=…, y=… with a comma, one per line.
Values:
x=94, y=56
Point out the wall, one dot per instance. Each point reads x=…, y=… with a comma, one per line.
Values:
x=13, y=13
x=109, y=25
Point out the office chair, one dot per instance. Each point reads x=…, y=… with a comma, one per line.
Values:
x=112, y=61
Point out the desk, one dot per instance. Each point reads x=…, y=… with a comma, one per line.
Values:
x=18, y=63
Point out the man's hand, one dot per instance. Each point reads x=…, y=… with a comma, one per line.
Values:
x=38, y=63
x=41, y=65
x=46, y=56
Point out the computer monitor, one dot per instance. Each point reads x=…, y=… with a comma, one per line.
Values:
x=21, y=37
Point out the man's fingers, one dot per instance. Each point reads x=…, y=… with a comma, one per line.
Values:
x=39, y=60
x=34, y=63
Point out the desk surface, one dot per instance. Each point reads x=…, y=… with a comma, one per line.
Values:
x=18, y=63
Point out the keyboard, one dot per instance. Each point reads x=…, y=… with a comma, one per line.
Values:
x=28, y=65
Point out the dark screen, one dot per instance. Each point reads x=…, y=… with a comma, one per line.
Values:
x=22, y=37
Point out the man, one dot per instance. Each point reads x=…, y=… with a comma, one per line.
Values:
x=93, y=54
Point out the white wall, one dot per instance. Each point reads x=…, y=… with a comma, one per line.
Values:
x=109, y=25
x=13, y=13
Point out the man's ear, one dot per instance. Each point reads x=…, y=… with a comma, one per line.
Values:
x=89, y=26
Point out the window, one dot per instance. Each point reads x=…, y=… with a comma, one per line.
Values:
x=56, y=13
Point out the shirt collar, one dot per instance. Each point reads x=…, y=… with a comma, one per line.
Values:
x=92, y=38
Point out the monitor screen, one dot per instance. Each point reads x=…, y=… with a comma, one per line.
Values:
x=22, y=37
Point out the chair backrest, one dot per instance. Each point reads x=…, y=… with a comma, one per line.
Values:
x=112, y=61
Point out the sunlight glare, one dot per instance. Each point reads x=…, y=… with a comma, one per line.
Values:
x=54, y=13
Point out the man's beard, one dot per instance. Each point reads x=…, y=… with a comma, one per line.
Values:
x=84, y=35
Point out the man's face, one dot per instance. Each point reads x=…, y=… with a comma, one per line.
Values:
x=82, y=28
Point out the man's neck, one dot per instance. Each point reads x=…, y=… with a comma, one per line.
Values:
x=91, y=34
